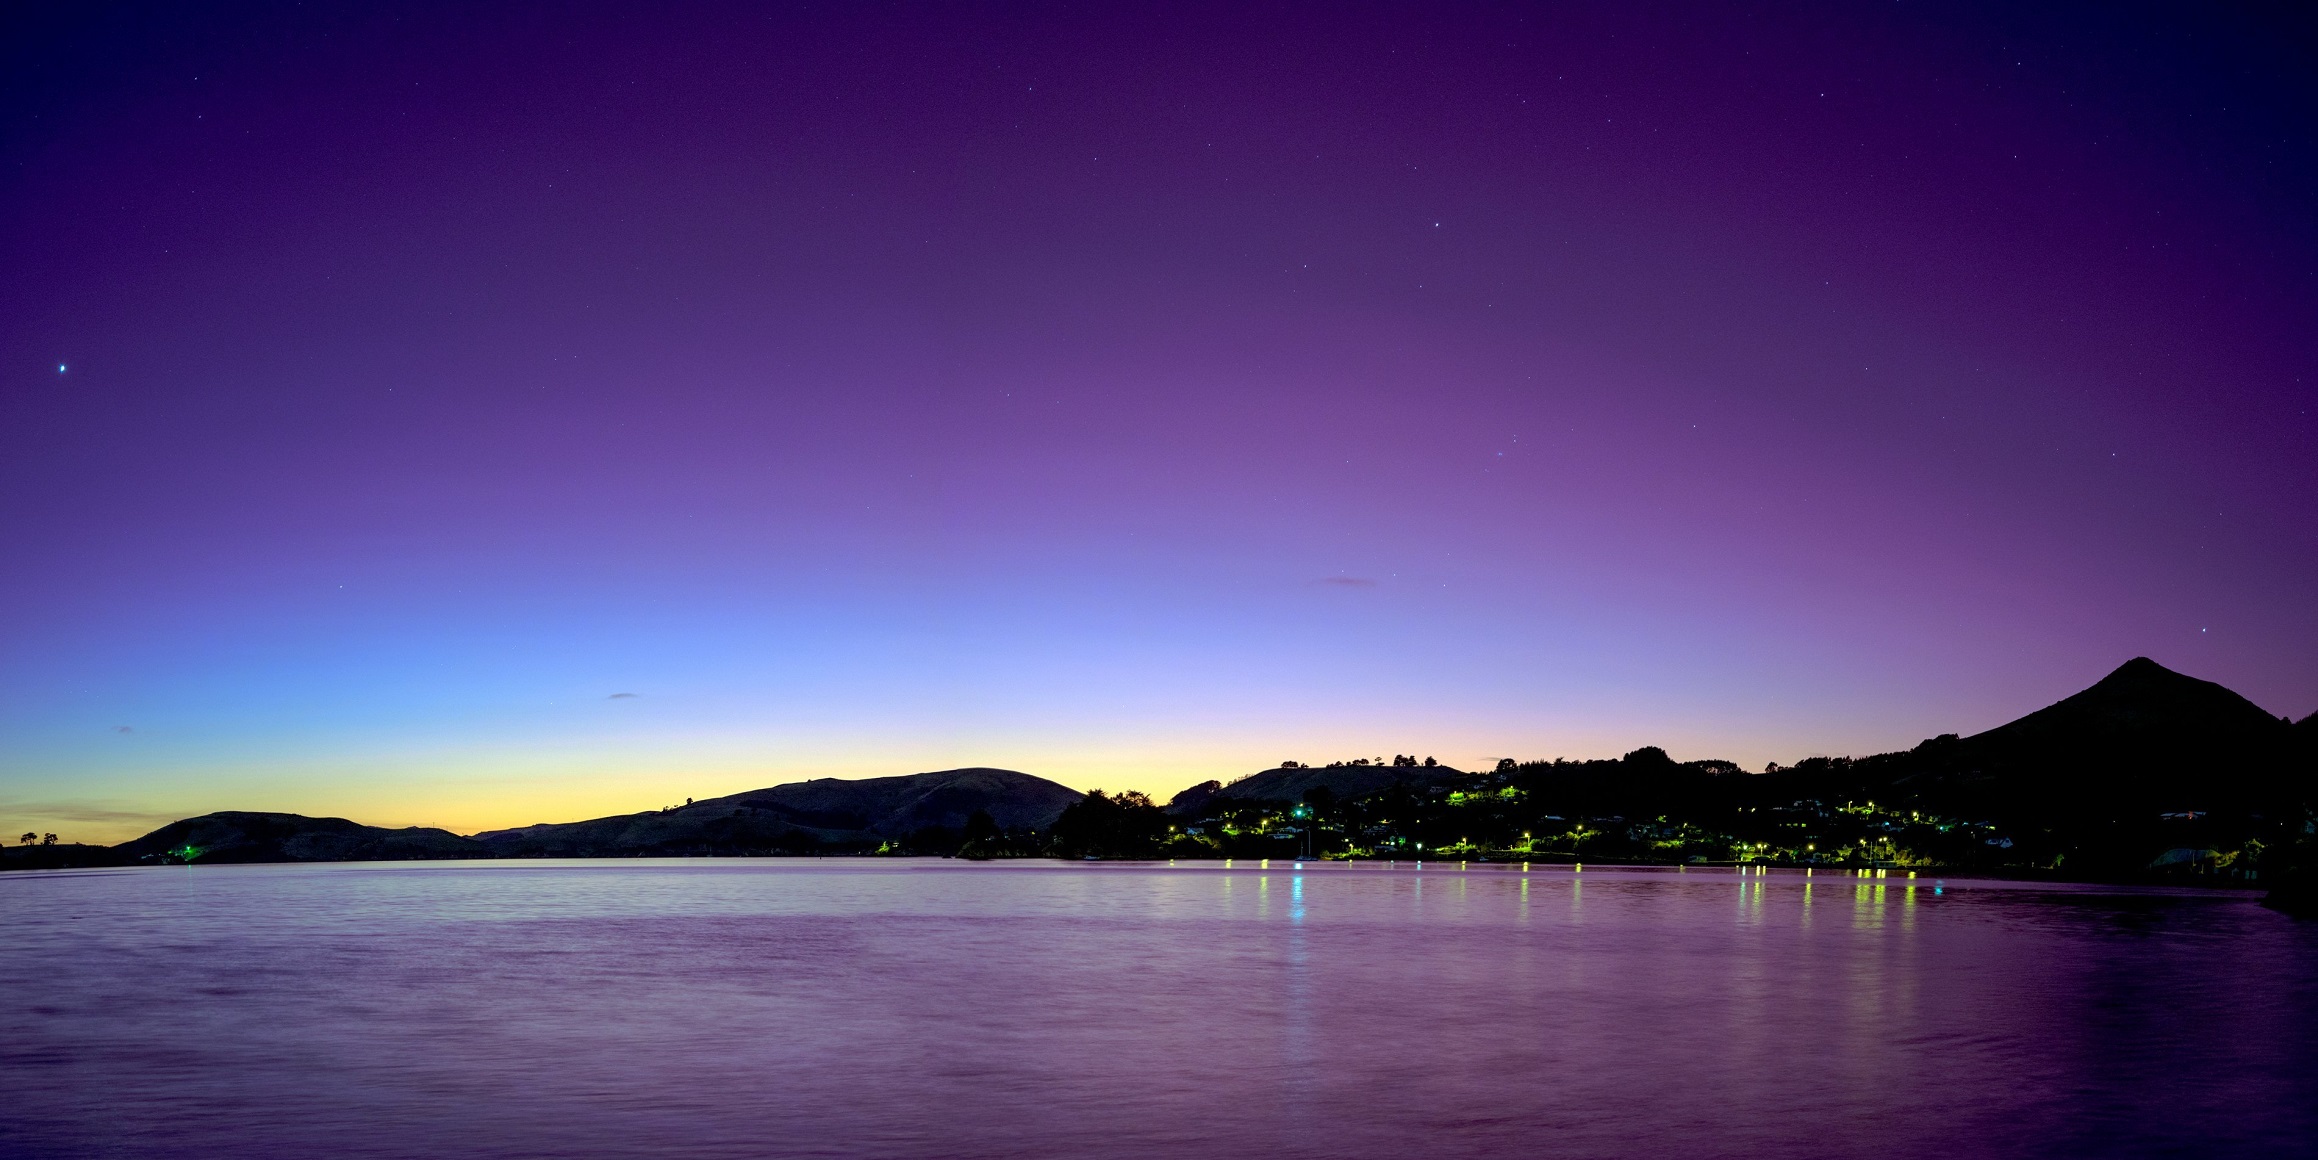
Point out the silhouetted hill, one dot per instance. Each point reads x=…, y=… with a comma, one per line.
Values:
x=822, y=814
x=235, y=836
x=2144, y=739
x=2146, y=768
x=1291, y=783
x=2146, y=775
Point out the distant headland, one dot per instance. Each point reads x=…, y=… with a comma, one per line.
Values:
x=2149, y=775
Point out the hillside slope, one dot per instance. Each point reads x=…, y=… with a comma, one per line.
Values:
x=239, y=836
x=1291, y=783
x=828, y=813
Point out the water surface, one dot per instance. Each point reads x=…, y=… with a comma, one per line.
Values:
x=742, y=1008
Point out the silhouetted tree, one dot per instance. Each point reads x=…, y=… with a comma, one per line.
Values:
x=48, y=839
x=797, y=841
x=932, y=840
x=980, y=826
x=30, y=838
x=1124, y=825
x=2292, y=870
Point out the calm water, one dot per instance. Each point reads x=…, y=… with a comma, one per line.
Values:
x=834, y=1008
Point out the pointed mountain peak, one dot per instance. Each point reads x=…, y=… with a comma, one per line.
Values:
x=2142, y=670
x=2144, y=700
x=2146, y=685
x=2145, y=681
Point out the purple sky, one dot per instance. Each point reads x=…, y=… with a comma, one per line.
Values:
x=1127, y=398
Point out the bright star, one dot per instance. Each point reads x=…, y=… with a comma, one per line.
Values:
x=60, y=368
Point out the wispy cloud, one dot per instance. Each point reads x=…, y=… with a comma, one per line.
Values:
x=124, y=729
x=86, y=812
x=621, y=697
x=1346, y=581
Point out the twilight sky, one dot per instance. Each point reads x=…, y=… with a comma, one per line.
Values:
x=469, y=420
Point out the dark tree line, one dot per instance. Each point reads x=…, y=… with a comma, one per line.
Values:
x=1100, y=825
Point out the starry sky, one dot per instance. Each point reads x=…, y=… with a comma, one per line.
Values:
x=441, y=416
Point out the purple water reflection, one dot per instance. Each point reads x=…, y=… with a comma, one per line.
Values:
x=882, y=1008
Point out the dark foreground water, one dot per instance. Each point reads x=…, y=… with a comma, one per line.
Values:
x=878, y=1008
